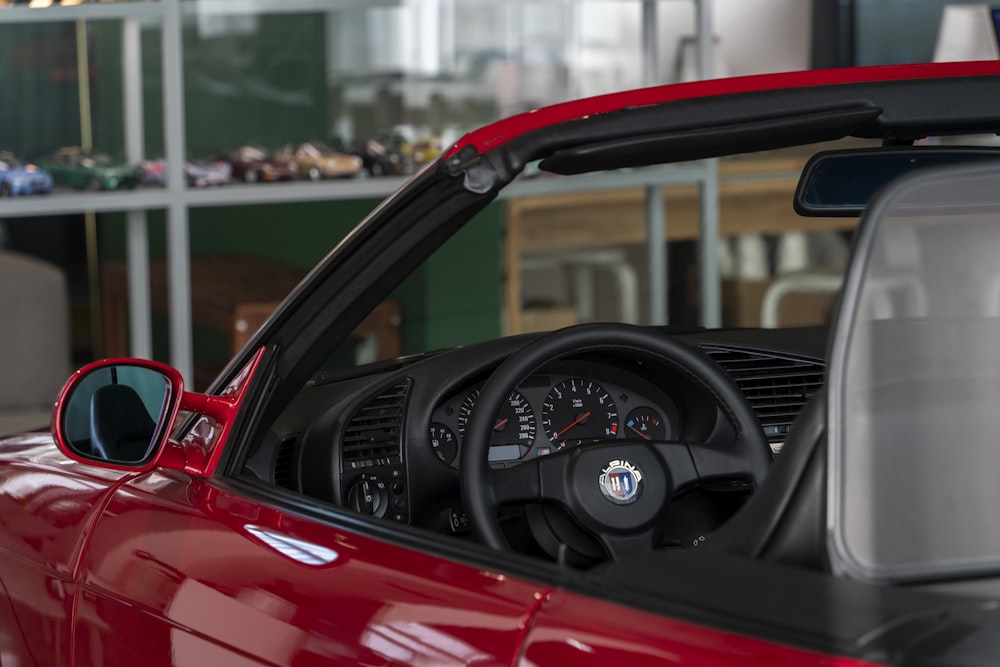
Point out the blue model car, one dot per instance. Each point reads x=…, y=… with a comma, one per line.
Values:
x=22, y=179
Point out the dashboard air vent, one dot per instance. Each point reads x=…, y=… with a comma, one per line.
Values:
x=283, y=460
x=374, y=432
x=777, y=386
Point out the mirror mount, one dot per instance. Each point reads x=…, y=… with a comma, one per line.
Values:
x=200, y=444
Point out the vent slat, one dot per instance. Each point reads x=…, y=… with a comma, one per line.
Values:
x=283, y=467
x=375, y=429
x=776, y=386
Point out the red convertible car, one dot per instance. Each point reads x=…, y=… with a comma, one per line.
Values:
x=600, y=494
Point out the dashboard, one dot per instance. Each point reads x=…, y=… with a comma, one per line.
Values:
x=386, y=440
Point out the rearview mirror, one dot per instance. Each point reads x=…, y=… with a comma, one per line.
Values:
x=841, y=183
x=118, y=412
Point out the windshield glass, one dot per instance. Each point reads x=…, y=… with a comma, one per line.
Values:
x=554, y=251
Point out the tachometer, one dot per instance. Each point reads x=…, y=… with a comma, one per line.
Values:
x=579, y=410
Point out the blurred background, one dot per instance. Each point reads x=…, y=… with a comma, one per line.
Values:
x=86, y=89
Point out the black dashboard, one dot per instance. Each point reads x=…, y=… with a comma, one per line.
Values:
x=386, y=439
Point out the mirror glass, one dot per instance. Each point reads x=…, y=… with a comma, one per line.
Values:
x=117, y=413
x=842, y=183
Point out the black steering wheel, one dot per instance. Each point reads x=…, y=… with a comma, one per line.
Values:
x=616, y=490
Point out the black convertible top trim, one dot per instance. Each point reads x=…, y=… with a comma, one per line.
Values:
x=680, y=145
x=907, y=109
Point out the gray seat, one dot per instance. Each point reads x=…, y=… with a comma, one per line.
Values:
x=34, y=341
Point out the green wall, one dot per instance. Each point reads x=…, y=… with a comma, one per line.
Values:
x=454, y=298
x=265, y=86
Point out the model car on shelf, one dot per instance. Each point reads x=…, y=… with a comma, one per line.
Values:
x=251, y=164
x=421, y=151
x=76, y=168
x=209, y=173
x=154, y=172
x=17, y=178
x=197, y=174
x=317, y=161
x=604, y=493
x=382, y=157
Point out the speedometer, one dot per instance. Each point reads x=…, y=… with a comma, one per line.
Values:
x=514, y=425
x=579, y=410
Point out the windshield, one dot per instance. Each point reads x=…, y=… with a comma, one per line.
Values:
x=554, y=251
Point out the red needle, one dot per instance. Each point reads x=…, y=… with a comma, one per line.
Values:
x=500, y=424
x=641, y=434
x=573, y=423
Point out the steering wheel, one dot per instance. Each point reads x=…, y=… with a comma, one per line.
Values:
x=616, y=490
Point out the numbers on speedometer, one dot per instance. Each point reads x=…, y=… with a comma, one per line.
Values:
x=579, y=410
x=514, y=425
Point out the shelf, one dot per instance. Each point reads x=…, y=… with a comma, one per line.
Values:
x=105, y=11
x=245, y=7
x=153, y=10
x=236, y=194
x=99, y=202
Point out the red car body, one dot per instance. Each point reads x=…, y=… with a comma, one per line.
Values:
x=86, y=571
x=176, y=559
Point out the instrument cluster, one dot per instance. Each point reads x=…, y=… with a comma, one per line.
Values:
x=550, y=411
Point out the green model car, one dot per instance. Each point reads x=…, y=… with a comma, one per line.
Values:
x=79, y=169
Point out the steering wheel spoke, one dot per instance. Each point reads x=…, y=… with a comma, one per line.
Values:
x=533, y=480
x=620, y=546
x=715, y=463
x=678, y=459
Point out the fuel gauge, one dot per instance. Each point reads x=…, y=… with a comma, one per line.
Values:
x=444, y=442
x=645, y=423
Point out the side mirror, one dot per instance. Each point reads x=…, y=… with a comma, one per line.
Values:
x=118, y=412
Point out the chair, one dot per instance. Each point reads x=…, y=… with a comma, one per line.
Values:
x=34, y=340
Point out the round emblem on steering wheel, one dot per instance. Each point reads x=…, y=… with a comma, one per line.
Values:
x=621, y=482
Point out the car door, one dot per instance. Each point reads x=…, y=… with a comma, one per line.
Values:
x=47, y=507
x=187, y=571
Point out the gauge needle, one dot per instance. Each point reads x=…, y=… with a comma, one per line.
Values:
x=573, y=423
x=641, y=434
x=499, y=424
